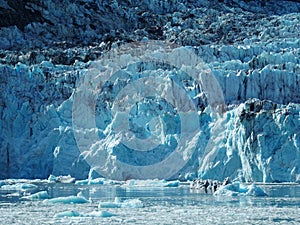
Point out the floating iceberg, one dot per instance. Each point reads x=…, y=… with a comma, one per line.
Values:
x=61, y=179
x=254, y=190
x=14, y=194
x=99, y=214
x=18, y=187
x=67, y=214
x=68, y=200
x=129, y=203
x=37, y=196
x=91, y=214
x=98, y=181
x=238, y=189
x=151, y=183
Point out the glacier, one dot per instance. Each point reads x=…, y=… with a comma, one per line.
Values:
x=252, y=50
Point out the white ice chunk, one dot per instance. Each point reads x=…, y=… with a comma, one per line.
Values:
x=37, y=196
x=67, y=200
x=98, y=181
x=99, y=214
x=15, y=194
x=18, y=187
x=67, y=214
x=237, y=189
x=61, y=179
x=91, y=214
x=255, y=191
x=129, y=203
x=151, y=183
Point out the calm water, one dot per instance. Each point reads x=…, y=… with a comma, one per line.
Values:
x=176, y=205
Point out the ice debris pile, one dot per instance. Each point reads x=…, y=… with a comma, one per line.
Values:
x=252, y=48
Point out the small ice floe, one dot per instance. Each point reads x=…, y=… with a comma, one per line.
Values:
x=237, y=189
x=18, y=187
x=98, y=181
x=174, y=183
x=37, y=196
x=88, y=182
x=130, y=203
x=99, y=214
x=254, y=190
x=91, y=214
x=82, y=182
x=79, y=199
x=67, y=214
x=15, y=194
x=151, y=183
x=61, y=179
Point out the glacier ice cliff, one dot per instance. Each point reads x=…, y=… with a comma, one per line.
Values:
x=251, y=47
x=259, y=141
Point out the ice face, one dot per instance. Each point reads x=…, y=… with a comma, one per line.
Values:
x=256, y=141
x=266, y=129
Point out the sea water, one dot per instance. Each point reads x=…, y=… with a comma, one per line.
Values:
x=119, y=204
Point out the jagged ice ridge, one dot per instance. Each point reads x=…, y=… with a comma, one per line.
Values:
x=253, y=51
